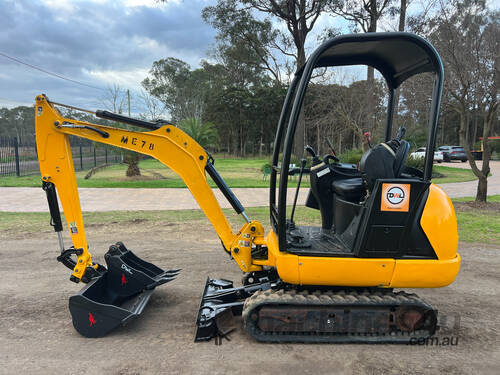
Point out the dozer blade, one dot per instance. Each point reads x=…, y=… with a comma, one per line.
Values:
x=118, y=295
x=220, y=302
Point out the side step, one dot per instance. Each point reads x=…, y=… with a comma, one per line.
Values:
x=118, y=295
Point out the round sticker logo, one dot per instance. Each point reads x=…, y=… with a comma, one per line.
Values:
x=395, y=195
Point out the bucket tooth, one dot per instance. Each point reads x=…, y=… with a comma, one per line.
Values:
x=120, y=294
x=172, y=272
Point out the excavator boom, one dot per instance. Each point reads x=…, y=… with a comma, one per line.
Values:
x=167, y=143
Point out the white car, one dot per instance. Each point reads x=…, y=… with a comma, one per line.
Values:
x=420, y=153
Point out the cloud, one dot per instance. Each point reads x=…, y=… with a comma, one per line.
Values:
x=96, y=42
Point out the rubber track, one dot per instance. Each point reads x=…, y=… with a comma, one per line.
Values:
x=339, y=298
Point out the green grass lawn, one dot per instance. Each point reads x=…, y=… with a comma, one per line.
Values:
x=476, y=225
x=491, y=198
x=479, y=226
x=238, y=173
x=451, y=174
x=34, y=222
x=478, y=222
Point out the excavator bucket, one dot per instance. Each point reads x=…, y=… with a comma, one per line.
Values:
x=118, y=295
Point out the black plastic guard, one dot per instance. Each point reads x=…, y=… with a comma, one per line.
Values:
x=220, y=302
x=117, y=296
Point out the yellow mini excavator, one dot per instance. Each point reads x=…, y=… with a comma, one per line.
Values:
x=383, y=226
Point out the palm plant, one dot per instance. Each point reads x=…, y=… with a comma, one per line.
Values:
x=204, y=133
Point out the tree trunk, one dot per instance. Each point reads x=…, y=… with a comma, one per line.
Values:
x=474, y=129
x=261, y=138
x=482, y=186
x=132, y=160
x=298, y=141
x=443, y=127
x=482, y=189
x=370, y=74
x=401, y=27
x=467, y=129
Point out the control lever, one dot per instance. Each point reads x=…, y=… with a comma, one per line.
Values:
x=310, y=150
x=316, y=159
x=367, y=136
x=302, y=166
x=401, y=133
x=334, y=154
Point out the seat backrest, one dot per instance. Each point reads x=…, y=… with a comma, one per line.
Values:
x=377, y=162
x=400, y=158
x=382, y=161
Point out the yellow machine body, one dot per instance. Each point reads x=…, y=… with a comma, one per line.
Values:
x=440, y=225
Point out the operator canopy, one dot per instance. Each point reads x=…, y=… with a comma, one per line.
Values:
x=398, y=56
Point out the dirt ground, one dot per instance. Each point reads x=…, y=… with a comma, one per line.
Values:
x=37, y=335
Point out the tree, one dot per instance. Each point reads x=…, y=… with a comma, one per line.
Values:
x=467, y=36
x=155, y=108
x=401, y=27
x=246, y=113
x=364, y=14
x=114, y=100
x=238, y=28
x=205, y=134
x=181, y=89
x=338, y=111
x=17, y=122
x=299, y=16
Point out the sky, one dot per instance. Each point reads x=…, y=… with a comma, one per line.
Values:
x=101, y=43
x=98, y=43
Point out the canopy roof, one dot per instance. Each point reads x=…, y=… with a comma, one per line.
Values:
x=397, y=56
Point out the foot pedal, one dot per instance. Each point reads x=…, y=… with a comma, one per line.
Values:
x=119, y=295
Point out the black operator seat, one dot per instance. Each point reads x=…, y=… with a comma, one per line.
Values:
x=350, y=189
x=386, y=160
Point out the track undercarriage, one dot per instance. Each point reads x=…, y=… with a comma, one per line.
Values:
x=276, y=312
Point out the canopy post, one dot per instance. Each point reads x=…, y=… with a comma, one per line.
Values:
x=390, y=114
x=433, y=120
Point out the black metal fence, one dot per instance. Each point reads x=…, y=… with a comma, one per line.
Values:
x=18, y=155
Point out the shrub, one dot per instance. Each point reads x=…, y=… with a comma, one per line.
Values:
x=293, y=159
x=351, y=156
x=417, y=163
x=494, y=146
x=205, y=134
x=266, y=168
